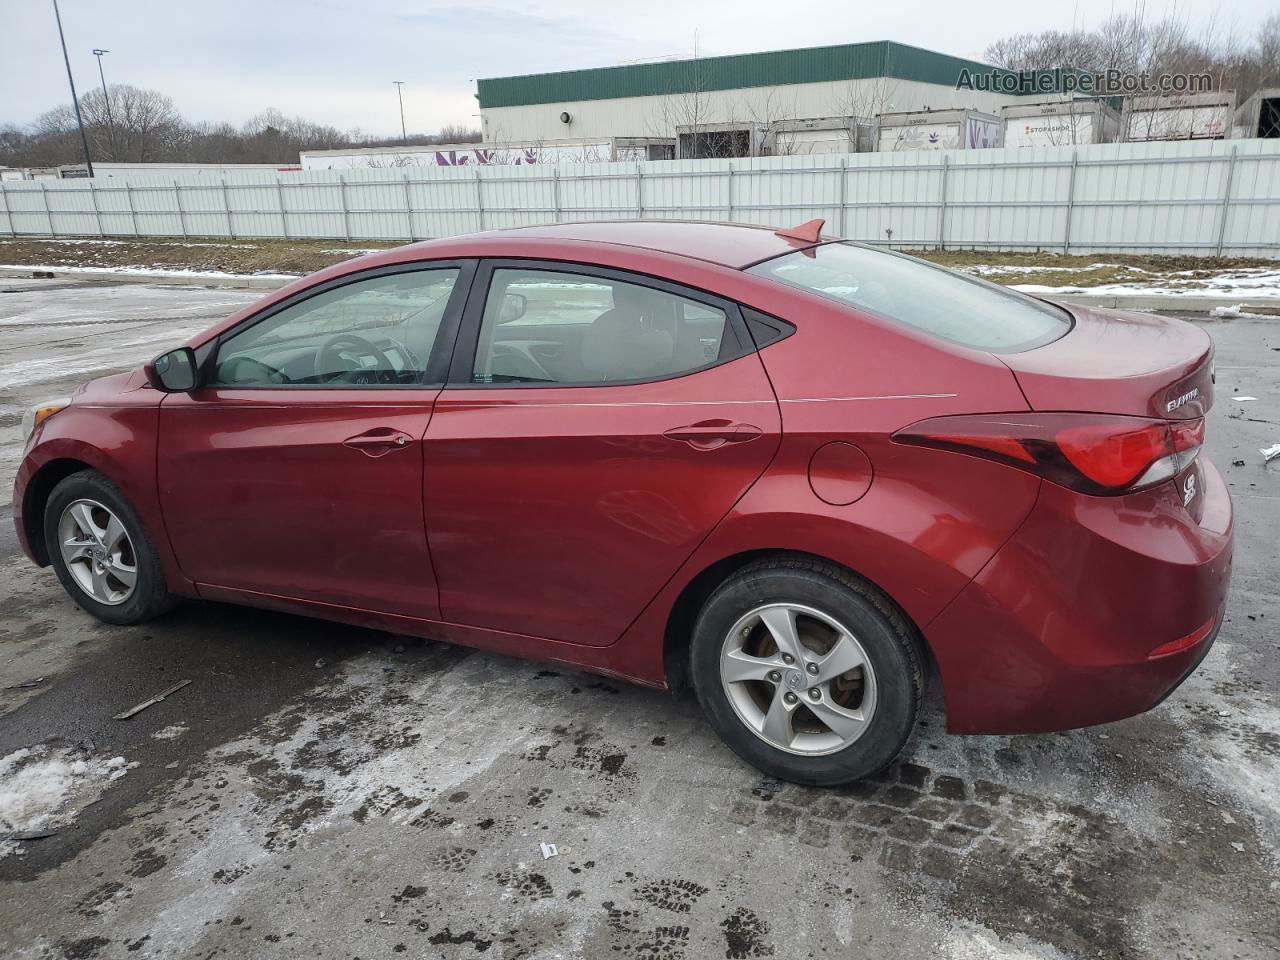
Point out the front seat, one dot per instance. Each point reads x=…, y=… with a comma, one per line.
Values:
x=623, y=343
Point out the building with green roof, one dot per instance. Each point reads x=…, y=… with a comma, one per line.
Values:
x=737, y=101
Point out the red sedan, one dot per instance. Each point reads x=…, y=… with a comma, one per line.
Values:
x=783, y=470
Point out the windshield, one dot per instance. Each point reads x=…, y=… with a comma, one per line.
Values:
x=949, y=305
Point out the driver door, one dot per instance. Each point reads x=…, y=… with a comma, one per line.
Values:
x=295, y=470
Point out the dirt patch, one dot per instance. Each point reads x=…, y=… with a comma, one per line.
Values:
x=1093, y=270
x=249, y=256
x=258, y=256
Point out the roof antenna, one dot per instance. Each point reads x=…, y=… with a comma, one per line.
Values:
x=809, y=232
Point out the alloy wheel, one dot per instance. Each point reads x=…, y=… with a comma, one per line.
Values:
x=97, y=551
x=798, y=679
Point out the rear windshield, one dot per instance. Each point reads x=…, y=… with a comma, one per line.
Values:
x=949, y=305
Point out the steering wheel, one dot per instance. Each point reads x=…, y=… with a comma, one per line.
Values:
x=342, y=350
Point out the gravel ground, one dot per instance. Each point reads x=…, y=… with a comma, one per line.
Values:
x=324, y=791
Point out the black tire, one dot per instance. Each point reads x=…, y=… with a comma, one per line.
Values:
x=888, y=639
x=150, y=596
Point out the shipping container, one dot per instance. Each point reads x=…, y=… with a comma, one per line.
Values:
x=1259, y=116
x=937, y=130
x=1059, y=123
x=1193, y=116
x=822, y=135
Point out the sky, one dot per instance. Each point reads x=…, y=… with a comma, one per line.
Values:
x=333, y=61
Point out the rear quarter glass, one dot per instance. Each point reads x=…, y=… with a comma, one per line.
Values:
x=926, y=297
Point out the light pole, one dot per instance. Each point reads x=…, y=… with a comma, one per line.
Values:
x=404, y=137
x=84, y=141
x=106, y=98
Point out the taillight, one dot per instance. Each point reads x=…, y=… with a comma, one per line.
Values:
x=1093, y=453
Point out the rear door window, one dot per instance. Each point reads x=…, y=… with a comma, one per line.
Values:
x=938, y=301
x=552, y=327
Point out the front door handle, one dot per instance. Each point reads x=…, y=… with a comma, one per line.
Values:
x=378, y=442
x=712, y=434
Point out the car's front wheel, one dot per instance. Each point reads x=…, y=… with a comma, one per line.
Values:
x=101, y=553
x=807, y=672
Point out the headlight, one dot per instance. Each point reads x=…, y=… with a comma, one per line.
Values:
x=39, y=414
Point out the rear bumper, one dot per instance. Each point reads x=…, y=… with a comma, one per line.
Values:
x=1059, y=629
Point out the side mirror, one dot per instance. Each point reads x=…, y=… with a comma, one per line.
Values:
x=173, y=372
x=513, y=307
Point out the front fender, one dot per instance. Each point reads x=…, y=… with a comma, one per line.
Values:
x=117, y=441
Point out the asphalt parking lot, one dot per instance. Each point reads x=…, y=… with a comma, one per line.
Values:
x=319, y=790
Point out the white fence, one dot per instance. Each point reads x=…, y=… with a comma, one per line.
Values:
x=1202, y=197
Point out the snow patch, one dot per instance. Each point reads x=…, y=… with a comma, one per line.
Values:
x=172, y=732
x=42, y=789
x=1236, y=311
x=970, y=941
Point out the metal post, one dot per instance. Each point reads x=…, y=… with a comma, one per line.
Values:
x=284, y=219
x=1071, y=199
x=48, y=213
x=844, y=197
x=1226, y=201
x=75, y=101
x=639, y=190
x=479, y=199
x=8, y=214
x=346, y=214
x=106, y=99
x=97, y=214
x=408, y=207
x=177, y=198
x=942, y=204
x=555, y=192
x=226, y=206
x=133, y=216
x=730, y=192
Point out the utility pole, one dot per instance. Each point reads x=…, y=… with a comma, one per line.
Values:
x=84, y=141
x=404, y=137
x=106, y=99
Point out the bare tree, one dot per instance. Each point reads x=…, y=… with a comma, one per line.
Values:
x=859, y=103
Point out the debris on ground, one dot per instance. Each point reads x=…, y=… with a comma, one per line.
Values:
x=31, y=835
x=1237, y=462
x=27, y=684
x=548, y=850
x=1243, y=399
x=168, y=691
x=1270, y=453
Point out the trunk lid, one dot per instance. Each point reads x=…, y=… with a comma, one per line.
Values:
x=1124, y=363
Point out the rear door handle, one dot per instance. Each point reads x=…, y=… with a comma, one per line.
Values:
x=711, y=434
x=378, y=442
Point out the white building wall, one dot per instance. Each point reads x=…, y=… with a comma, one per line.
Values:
x=659, y=116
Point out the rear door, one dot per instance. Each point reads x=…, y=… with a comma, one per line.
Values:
x=597, y=425
x=296, y=471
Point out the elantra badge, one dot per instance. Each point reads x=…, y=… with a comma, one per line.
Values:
x=1187, y=397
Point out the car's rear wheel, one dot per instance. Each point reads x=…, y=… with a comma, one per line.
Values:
x=807, y=672
x=101, y=553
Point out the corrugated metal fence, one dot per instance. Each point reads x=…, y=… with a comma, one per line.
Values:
x=1203, y=197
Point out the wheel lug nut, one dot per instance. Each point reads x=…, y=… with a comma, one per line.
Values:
x=775, y=676
x=812, y=668
x=788, y=658
x=790, y=697
x=815, y=694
